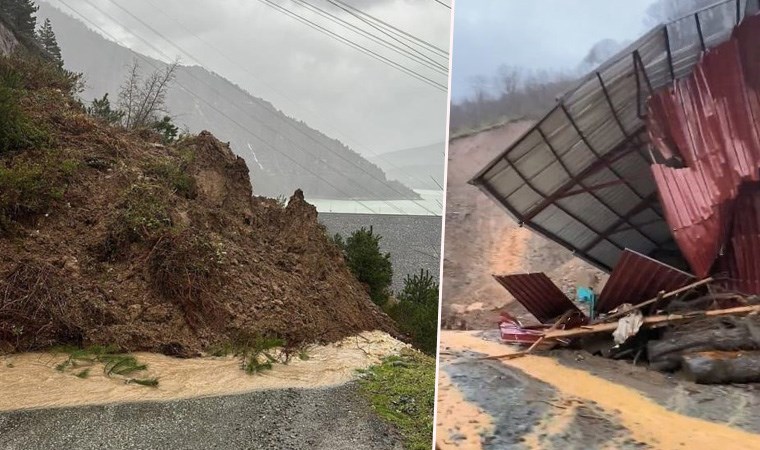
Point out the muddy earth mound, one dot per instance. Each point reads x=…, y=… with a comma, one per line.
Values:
x=109, y=237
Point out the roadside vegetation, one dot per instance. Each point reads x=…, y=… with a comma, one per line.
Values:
x=414, y=308
x=402, y=388
x=402, y=391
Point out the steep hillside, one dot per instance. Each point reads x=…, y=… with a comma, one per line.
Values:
x=109, y=237
x=420, y=167
x=282, y=153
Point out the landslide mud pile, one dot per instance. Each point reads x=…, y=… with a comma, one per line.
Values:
x=108, y=237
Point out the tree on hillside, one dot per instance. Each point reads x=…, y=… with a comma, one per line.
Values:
x=143, y=100
x=101, y=109
x=21, y=14
x=166, y=129
x=416, y=312
x=368, y=264
x=46, y=38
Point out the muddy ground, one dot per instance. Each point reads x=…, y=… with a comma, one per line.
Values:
x=520, y=410
x=335, y=418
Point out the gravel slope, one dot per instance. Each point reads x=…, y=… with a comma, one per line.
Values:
x=333, y=418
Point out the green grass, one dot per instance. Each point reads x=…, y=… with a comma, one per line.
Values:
x=402, y=392
x=175, y=176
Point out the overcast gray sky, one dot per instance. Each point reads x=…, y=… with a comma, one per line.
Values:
x=541, y=34
x=369, y=106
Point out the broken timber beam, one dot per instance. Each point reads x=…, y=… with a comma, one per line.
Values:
x=657, y=299
x=651, y=322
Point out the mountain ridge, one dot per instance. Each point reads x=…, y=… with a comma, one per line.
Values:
x=282, y=152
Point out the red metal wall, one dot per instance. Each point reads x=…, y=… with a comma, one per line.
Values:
x=709, y=123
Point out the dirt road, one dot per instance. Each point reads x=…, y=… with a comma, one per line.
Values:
x=334, y=418
x=199, y=403
x=568, y=400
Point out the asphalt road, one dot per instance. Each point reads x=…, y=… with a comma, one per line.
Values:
x=331, y=418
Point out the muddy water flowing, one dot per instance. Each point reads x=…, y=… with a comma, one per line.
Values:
x=30, y=380
x=645, y=420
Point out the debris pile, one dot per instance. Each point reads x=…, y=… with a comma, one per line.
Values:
x=111, y=238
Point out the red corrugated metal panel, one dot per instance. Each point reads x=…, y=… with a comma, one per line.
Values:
x=741, y=260
x=637, y=278
x=537, y=293
x=711, y=120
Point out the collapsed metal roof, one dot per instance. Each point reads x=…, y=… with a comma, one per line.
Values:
x=581, y=176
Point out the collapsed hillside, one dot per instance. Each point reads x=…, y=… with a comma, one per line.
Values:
x=109, y=237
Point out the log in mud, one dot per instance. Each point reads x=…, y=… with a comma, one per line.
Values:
x=722, y=367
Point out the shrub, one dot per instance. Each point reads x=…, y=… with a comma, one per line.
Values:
x=28, y=189
x=141, y=216
x=416, y=313
x=166, y=129
x=100, y=108
x=176, y=176
x=16, y=130
x=368, y=264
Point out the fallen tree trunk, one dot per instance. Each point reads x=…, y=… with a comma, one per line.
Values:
x=722, y=367
x=665, y=354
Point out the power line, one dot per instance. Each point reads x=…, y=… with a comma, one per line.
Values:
x=220, y=112
x=420, y=57
x=441, y=3
x=385, y=31
x=284, y=95
x=394, y=29
x=350, y=43
x=350, y=162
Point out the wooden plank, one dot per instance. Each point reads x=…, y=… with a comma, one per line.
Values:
x=652, y=321
x=655, y=300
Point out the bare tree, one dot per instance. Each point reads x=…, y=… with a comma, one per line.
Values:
x=143, y=100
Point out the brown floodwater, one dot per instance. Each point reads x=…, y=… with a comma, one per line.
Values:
x=646, y=420
x=30, y=380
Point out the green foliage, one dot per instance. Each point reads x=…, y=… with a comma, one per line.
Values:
x=37, y=73
x=368, y=264
x=416, y=312
x=114, y=363
x=27, y=189
x=101, y=109
x=402, y=392
x=166, y=129
x=140, y=216
x=176, y=176
x=257, y=353
x=420, y=289
x=46, y=38
x=16, y=130
x=20, y=14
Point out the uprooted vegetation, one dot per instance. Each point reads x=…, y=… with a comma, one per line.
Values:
x=115, y=238
x=115, y=364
